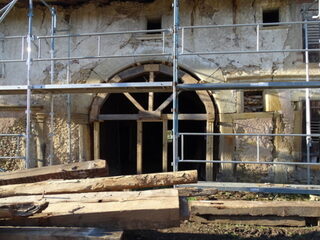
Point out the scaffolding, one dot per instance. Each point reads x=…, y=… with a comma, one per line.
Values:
x=178, y=52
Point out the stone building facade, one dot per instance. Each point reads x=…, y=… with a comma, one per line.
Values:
x=227, y=111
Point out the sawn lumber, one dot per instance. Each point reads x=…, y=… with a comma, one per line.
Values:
x=117, y=183
x=116, y=210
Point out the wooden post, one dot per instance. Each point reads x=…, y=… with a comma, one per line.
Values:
x=151, y=94
x=81, y=143
x=96, y=140
x=209, y=151
x=40, y=118
x=139, y=147
x=164, y=146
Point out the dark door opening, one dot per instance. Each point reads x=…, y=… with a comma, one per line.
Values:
x=152, y=147
x=118, y=146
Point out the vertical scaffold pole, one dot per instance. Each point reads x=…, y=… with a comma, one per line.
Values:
x=175, y=108
x=69, y=102
x=52, y=72
x=29, y=62
x=308, y=109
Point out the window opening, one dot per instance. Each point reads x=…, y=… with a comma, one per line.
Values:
x=253, y=101
x=154, y=24
x=271, y=16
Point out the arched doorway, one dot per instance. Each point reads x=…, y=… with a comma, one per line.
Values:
x=134, y=127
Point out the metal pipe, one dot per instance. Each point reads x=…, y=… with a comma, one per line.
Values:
x=99, y=46
x=258, y=37
x=13, y=157
x=249, y=52
x=175, y=105
x=161, y=54
x=163, y=42
x=28, y=111
x=182, y=147
x=182, y=40
x=251, y=162
x=247, y=24
x=258, y=85
x=307, y=99
x=258, y=148
x=7, y=10
x=89, y=57
x=249, y=134
x=22, y=49
x=52, y=73
x=12, y=135
x=105, y=33
x=69, y=103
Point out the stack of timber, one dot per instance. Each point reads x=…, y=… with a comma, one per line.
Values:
x=268, y=213
x=106, y=202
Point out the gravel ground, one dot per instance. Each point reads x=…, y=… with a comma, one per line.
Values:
x=192, y=231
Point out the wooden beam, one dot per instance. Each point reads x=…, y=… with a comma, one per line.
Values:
x=96, y=140
x=125, y=117
x=97, y=168
x=209, y=151
x=125, y=210
x=164, y=146
x=58, y=233
x=252, y=220
x=117, y=183
x=139, y=147
x=134, y=102
x=256, y=208
x=151, y=94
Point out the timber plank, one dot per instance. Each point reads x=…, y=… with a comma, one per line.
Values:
x=97, y=168
x=255, y=208
x=118, y=210
x=253, y=220
x=117, y=183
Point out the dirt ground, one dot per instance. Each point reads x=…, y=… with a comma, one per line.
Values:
x=199, y=231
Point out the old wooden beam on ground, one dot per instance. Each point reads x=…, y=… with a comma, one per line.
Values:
x=255, y=208
x=58, y=233
x=196, y=192
x=116, y=210
x=117, y=183
x=253, y=220
x=97, y=168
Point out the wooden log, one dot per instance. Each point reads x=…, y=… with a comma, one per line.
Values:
x=58, y=233
x=255, y=208
x=124, y=210
x=118, y=183
x=97, y=168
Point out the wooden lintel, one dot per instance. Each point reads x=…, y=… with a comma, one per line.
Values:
x=125, y=117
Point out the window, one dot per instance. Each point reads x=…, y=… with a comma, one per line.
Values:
x=253, y=101
x=154, y=24
x=271, y=16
